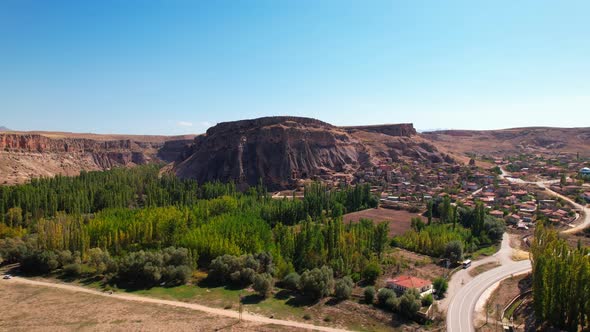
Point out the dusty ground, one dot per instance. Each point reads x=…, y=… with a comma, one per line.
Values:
x=512, y=141
x=482, y=268
x=505, y=292
x=400, y=261
x=32, y=308
x=399, y=220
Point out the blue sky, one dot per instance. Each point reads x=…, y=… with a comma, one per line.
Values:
x=170, y=67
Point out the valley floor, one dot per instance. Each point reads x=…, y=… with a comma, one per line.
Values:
x=27, y=307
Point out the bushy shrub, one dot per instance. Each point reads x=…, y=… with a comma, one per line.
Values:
x=440, y=285
x=240, y=270
x=149, y=268
x=427, y=300
x=42, y=261
x=318, y=283
x=263, y=284
x=409, y=303
x=292, y=281
x=371, y=272
x=383, y=295
x=392, y=304
x=73, y=270
x=343, y=288
x=369, y=294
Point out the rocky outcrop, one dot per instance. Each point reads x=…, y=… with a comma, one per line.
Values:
x=282, y=150
x=277, y=150
x=401, y=129
x=26, y=155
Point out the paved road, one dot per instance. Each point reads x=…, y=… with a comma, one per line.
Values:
x=461, y=305
x=462, y=277
x=192, y=306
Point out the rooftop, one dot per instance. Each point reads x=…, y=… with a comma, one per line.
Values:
x=410, y=282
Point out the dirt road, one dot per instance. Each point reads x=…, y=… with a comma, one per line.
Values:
x=198, y=307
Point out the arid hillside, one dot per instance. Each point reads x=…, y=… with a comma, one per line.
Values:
x=514, y=141
x=284, y=150
x=26, y=155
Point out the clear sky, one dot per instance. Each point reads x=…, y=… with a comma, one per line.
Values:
x=170, y=67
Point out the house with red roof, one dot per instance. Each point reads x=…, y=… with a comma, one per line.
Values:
x=403, y=283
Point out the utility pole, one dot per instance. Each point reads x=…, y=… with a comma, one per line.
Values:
x=240, y=306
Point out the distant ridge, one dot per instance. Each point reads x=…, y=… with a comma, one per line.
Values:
x=2, y=128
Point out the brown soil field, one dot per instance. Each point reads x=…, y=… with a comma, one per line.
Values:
x=399, y=220
x=32, y=308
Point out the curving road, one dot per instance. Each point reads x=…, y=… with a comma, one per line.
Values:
x=460, y=313
x=461, y=305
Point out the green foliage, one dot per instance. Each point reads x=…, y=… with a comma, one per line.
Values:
x=384, y=295
x=369, y=294
x=343, y=288
x=318, y=283
x=115, y=223
x=427, y=300
x=454, y=251
x=263, y=284
x=292, y=281
x=476, y=229
x=432, y=240
x=440, y=286
x=143, y=268
x=561, y=281
x=417, y=224
x=409, y=303
x=240, y=270
x=371, y=272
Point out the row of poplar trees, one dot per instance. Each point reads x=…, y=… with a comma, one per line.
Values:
x=561, y=281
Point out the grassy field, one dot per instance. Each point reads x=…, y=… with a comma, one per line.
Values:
x=283, y=304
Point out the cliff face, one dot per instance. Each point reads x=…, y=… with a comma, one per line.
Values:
x=282, y=150
x=402, y=129
x=277, y=150
x=27, y=155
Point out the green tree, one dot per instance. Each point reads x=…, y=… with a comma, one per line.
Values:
x=410, y=303
x=371, y=272
x=369, y=294
x=454, y=251
x=263, y=284
x=343, y=288
x=440, y=285
x=318, y=283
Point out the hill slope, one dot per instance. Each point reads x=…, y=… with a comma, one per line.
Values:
x=283, y=150
x=543, y=140
x=25, y=155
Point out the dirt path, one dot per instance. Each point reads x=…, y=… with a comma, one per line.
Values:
x=214, y=311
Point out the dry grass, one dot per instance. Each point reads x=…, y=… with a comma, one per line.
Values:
x=520, y=255
x=32, y=308
x=483, y=268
